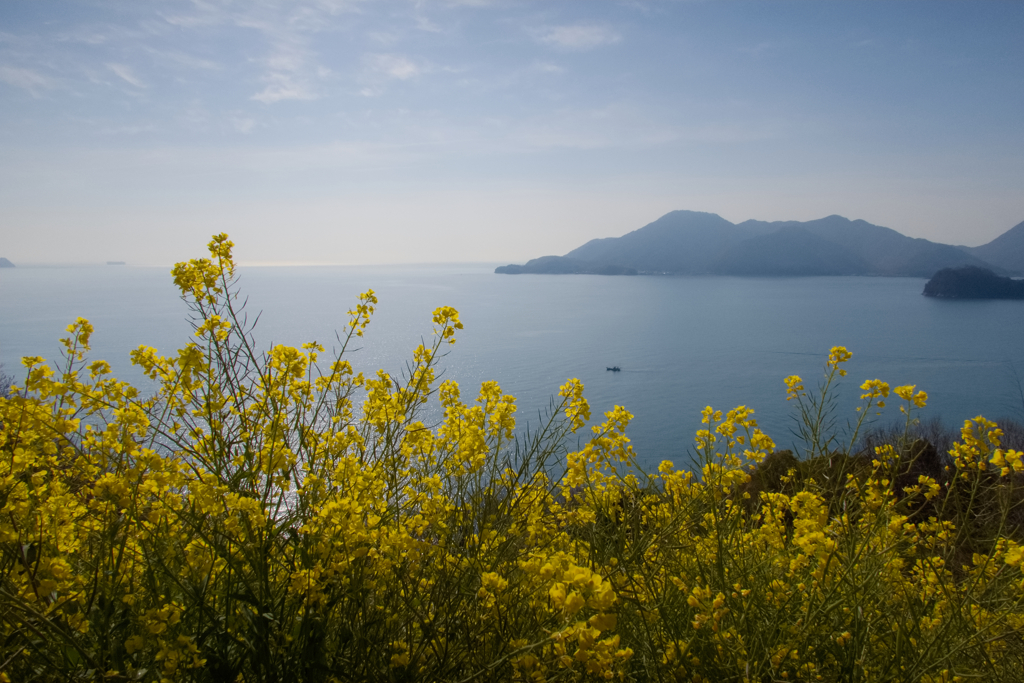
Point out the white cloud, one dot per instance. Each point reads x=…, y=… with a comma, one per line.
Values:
x=129, y=130
x=243, y=125
x=545, y=67
x=577, y=36
x=290, y=67
x=183, y=59
x=393, y=66
x=207, y=18
x=470, y=3
x=288, y=73
x=195, y=116
x=91, y=38
x=286, y=58
x=384, y=37
x=283, y=87
x=424, y=24
x=126, y=74
x=24, y=78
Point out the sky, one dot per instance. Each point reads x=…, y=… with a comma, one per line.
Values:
x=417, y=131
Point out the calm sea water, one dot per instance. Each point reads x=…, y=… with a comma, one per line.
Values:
x=682, y=342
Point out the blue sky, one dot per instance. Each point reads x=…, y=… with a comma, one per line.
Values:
x=379, y=131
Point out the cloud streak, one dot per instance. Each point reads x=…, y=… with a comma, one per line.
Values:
x=577, y=37
x=283, y=87
x=27, y=79
x=393, y=66
x=290, y=69
x=125, y=73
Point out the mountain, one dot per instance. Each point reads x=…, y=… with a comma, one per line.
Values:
x=790, y=250
x=1005, y=251
x=970, y=282
x=696, y=243
x=879, y=250
x=678, y=242
x=4, y=263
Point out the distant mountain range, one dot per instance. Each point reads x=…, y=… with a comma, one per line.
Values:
x=697, y=243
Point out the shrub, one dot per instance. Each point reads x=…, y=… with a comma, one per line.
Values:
x=271, y=516
x=5, y=381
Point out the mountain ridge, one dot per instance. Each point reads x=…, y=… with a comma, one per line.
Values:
x=700, y=243
x=1005, y=251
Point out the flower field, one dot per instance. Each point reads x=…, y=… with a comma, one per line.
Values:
x=274, y=516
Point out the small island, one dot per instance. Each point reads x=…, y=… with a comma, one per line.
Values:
x=4, y=263
x=972, y=282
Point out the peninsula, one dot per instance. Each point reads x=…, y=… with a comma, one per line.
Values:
x=970, y=282
x=561, y=265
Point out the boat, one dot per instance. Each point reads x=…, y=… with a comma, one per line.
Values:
x=615, y=368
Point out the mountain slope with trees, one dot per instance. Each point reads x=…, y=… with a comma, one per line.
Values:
x=1005, y=251
x=970, y=282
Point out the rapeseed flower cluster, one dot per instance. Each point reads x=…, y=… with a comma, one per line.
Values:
x=270, y=516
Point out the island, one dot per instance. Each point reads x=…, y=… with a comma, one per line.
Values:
x=700, y=243
x=972, y=282
x=4, y=263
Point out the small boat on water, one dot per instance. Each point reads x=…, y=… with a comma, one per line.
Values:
x=615, y=368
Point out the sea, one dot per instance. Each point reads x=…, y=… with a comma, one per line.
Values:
x=681, y=343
